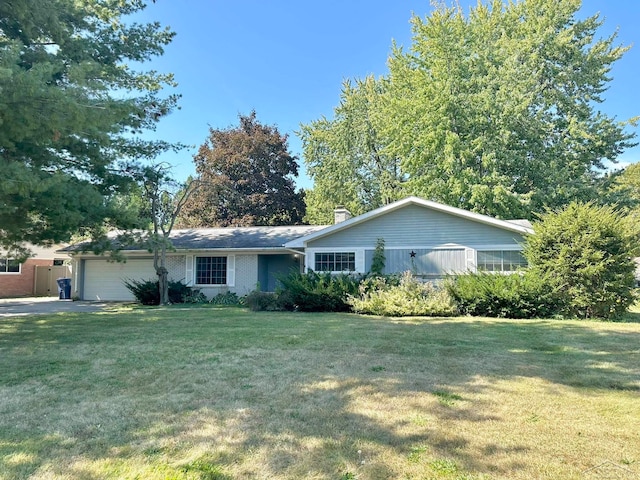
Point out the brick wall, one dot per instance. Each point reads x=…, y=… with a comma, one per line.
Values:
x=21, y=284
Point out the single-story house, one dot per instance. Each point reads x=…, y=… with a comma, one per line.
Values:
x=428, y=238
x=35, y=276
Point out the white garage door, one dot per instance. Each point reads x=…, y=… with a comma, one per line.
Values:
x=104, y=280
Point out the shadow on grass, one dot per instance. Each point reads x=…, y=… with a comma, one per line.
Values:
x=193, y=393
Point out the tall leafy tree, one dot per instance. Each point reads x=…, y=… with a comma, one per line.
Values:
x=72, y=106
x=247, y=178
x=622, y=189
x=497, y=110
x=507, y=119
x=346, y=156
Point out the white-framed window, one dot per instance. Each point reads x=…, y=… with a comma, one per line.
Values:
x=9, y=265
x=211, y=271
x=500, y=260
x=335, y=262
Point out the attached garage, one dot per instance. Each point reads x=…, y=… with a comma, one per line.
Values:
x=105, y=280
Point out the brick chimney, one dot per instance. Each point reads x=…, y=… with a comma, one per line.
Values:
x=341, y=214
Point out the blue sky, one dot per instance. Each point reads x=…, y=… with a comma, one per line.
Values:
x=287, y=59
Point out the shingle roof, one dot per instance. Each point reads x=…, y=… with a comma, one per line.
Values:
x=239, y=237
x=226, y=238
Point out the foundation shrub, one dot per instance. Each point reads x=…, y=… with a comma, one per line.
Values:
x=258, y=301
x=226, y=298
x=319, y=292
x=402, y=296
x=147, y=292
x=518, y=295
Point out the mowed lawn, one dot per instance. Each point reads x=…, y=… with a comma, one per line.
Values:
x=224, y=393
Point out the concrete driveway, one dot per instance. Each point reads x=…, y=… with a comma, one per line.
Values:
x=43, y=305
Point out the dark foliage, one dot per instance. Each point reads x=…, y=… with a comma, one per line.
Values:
x=519, y=295
x=247, y=176
x=320, y=292
x=258, y=301
x=147, y=292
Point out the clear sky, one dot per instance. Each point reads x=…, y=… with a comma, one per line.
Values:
x=287, y=59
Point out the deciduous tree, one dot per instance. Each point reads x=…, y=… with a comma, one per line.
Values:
x=346, y=156
x=247, y=176
x=502, y=106
x=164, y=199
x=496, y=111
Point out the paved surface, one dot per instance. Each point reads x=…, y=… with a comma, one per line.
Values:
x=43, y=305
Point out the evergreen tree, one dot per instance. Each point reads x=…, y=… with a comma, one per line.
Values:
x=72, y=107
x=585, y=252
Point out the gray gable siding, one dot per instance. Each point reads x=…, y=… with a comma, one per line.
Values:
x=420, y=226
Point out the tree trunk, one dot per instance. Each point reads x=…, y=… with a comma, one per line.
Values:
x=163, y=286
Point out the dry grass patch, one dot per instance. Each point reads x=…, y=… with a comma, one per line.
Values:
x=223, y=393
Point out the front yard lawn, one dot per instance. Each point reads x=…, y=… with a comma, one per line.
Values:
x=224, y=393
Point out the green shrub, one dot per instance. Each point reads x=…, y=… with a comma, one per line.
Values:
x=285, y=300
x=586, y=253
x=226, y=298
x=258, y=301
x=378, y=261
x=406, y=297
x=178, y=291
x=319, y=292
x=194, y=296
x=519, y=295
x=147, y=292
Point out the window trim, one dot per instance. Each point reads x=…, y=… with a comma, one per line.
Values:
x=502, y=251
x=351, y=260
x=226, y=271
x=7, y=261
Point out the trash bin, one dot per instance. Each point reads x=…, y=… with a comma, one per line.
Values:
x=64, y=288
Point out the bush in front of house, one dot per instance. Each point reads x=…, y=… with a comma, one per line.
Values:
x=402, y=296
x=147, y=292
x=519, y=295
x=226, y=298
x=318, y=292
x=586, y=254
x=258, y=301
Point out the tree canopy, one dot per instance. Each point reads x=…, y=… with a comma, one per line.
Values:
x=247, y=178
x=347, y=156
x=72, y=106
x=495, y=111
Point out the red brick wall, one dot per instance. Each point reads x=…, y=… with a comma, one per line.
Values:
x=22, y=284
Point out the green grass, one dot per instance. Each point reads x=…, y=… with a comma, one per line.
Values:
x=223, y=393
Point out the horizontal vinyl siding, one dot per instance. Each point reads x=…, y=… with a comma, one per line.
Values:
x=419, y=226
